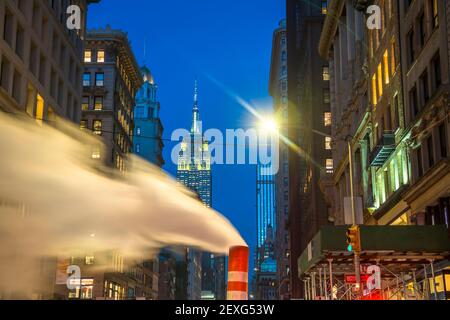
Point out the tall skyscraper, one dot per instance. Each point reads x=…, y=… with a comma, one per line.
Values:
x=194, y=163
x=194, y=171
x=265, y=264
x=148, y=129
x=278, y=91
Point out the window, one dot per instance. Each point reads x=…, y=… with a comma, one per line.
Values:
x=86, y=79
x=413, y=101
x=434, y=13
x=410, y=47
x=327, y=119
x=443, y=140
x=422, y=30
x=101, y=56
x=97, y=127
x=96, y=153
x=138, y=148
x=328, y=143
x=419, y=162
x=424, y=91
x=85, y=103
x=286, y=181
x=393, y=60
x=329, y=166
x=89, y=260
x=324, y=7
x=436, y=66
x=100, y=79
x=430, y=150
x=138, y=131
x=396, y=112
x=88, y=56
x=326, y=95
x=374, y=90
x=380, y=80
x=386, y=67
x=326, y=73
x=83, y=124
x=98, y=103
x=84, y=291
x=39, y=109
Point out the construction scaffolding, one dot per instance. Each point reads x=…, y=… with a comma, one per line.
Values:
x=413, y=262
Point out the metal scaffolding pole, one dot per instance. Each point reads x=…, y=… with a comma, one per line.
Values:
x=330, y=268
x=325, y=282
x=320, y=283
x=434, y=280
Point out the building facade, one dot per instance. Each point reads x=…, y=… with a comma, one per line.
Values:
x=41, y=62
x=278, y=91
x=111, y=80
x=389, y=89
x=309, y=107
x=148, y=129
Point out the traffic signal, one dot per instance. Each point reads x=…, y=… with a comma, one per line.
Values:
x=353, y=239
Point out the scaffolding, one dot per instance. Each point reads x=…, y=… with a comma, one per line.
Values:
x=410, y=259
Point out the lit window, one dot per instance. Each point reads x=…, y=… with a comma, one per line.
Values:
x=386, y=67
x=86, y=79
x=39, y=109
x=100, y=79
x=329, y=166
x=380, y=80
x=97, y=127
x=138, y=148
x=101, y=56
x=327, y=119
x=85, y=103
x=374, y=90
x=83, y=124
x=324, y=7
x=84, y=290
x=89, y=260
x=98, y=103
x=328, y=143
x=393, y=61
x=435, y=13
x=96, y=154
x=326, y=73
x=138, y=131
x=88, y=56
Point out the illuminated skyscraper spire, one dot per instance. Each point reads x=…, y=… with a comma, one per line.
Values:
x=195, y=111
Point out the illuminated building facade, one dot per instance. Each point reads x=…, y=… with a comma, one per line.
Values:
x=278, y=91
x=111, y=80
x=194, y=171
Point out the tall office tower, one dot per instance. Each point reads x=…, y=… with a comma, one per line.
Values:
x=265, y=264
x=41, y=59
x=278, y=91
x=148, y=129
x=309, y=101
x=111, y=80
x=194, y=171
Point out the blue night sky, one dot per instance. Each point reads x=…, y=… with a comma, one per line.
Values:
x=230, y=41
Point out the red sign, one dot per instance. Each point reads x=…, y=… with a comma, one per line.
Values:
x=351, y=278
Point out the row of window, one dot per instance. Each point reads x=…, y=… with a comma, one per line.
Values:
x=99, y=79
x=421, y=30
x=420, y=94
x=100, y=56
x=383, y=74
x=428, y=153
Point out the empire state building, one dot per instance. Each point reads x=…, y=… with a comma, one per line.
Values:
x=194, y=161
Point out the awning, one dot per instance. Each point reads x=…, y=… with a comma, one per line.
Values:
x=398, y=247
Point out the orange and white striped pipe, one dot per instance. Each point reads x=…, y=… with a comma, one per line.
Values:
x=238, y=273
